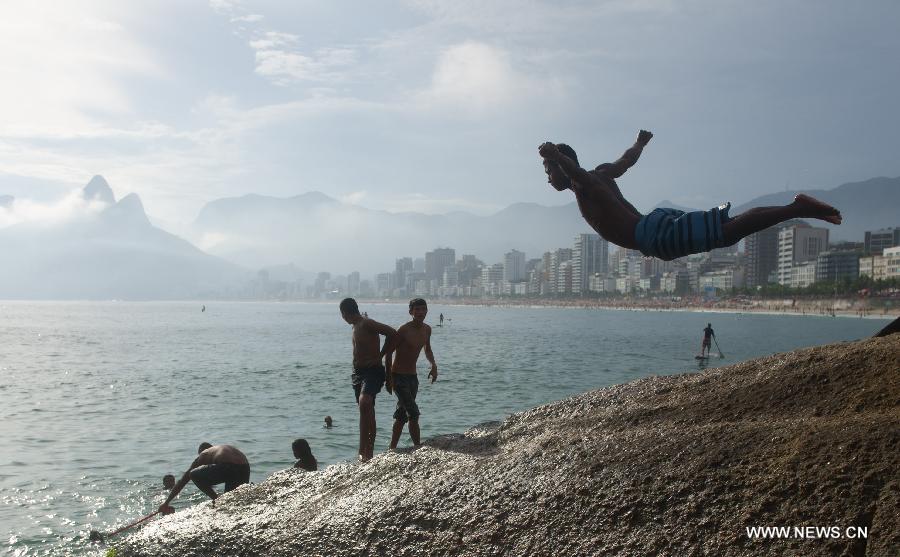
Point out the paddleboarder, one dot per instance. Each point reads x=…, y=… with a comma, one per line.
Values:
x=708, y=335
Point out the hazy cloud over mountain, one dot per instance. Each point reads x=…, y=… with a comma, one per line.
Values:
x=90, y=246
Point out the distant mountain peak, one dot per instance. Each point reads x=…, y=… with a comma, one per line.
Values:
x=315, y=197
x=129, y=209
x=98, y=190
x=6, y=200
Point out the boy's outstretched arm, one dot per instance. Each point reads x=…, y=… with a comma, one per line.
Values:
x=628, y=158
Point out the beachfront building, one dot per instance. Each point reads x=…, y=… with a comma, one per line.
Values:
x=798, y=244
x=438, y=260
x=624, y=285
x=514, y=266
x=491, y=279
x=469, y=270
x=558, y=257
x=876, y=241
x=590, y=255
x=565, y=275
x=353, y=284
x=384, y=284
x=668, y=282
x=761, y=254
x=803, y=274
x=601, y=283
x=891, y=262
x=874, y=267
x=450, y=278
x=402, y=268
x=721, y=279
x=837, y=265
x=649, y=284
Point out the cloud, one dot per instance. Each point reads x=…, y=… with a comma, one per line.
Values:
x=64, y=66
x=278, y=60
x=353, y=198
x=421, y=203
x=71, y=207
x=249, y=18
x=476, y=77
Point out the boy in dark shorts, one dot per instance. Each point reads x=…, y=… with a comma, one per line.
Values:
x=368, y=372
x=215, y=464
x=411, y=338
x=664, y=233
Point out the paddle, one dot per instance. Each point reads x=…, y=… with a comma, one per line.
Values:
x=717, y=348
x=98, y=537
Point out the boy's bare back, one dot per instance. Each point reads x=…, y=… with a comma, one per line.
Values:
x=367, y=344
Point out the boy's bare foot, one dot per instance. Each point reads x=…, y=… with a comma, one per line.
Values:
x=818, y=209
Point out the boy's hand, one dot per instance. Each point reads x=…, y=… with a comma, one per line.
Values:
x=389, y=383
x=433, y=373
x=644, y=137
x=548, y=151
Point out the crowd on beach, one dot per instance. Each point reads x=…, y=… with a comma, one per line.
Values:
x=799, y=306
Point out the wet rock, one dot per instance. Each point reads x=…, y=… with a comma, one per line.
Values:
x=675, y=465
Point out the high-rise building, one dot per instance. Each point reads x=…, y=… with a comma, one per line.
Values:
x=438, y=260
x=353, y=284
x=877, y=240
x=384, y=284
x=557, y=258
x=514, y=266
x=798, y=244
x=835, y=265
x=492, y=278
x=402, y=267
x=590, y=255
x=761, y=249
x=469, y=269
x=565, y=277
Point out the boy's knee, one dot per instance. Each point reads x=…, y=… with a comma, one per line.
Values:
x=366, y=402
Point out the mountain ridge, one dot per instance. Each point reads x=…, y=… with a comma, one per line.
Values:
x=259, y=227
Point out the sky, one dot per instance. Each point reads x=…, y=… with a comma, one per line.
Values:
x=437, y=106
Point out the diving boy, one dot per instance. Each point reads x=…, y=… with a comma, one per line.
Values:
x=664, y=233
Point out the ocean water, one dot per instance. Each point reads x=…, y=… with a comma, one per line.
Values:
x=99, y=400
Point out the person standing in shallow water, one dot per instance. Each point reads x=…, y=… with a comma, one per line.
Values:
x=368, y=371
x=664, y=233
x=411, y=338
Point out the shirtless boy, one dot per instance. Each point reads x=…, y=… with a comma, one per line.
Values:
x=664, y=233
x=214, y=464
x=411, y=338
x=368, y=372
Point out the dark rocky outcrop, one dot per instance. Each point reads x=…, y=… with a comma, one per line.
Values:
x=677, y=465
x=891, y=328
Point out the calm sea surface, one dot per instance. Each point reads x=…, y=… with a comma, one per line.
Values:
x=99, y=400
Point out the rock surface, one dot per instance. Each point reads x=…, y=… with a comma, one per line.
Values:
x=677, y=465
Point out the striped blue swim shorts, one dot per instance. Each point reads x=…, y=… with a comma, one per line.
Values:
x=669, y=233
